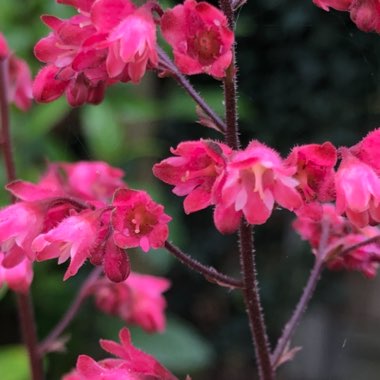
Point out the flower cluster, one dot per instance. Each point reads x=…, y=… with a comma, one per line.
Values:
x=115, y=41
x=248, y=183
x=130, y=363
x=19, y=89
x=137, y=300
x=79, y=211
x=364, y=13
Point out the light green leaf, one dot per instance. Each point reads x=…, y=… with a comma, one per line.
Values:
x=14, y=363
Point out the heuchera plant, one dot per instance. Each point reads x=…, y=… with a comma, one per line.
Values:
x=84, y=211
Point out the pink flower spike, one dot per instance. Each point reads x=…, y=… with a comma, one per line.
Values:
x=357, y=191
x=254, y=179
x=133, y=45
x=314, y=165
x=74, y=238
x=340, y=5
x=19, y=277
x=131, y=364
x=20, y=223
x=138, y=221
x=136, y=300
x=193, y=171
x=94, y=180
x=200, y=38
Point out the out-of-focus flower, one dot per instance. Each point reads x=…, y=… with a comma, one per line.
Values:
x=18, y=277
x=131, y=364
x=357, y=191
x=314, y=170
x=200, y=37
x=193, y=171
x=136, y=300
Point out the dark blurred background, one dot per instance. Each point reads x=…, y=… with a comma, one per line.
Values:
x=305, y=76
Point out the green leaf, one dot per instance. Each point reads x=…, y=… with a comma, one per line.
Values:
x=180, y=348
x=14, y=363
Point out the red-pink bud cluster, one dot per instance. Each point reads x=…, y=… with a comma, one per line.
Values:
x=364, y=13
x=72, y=213
x=136, y=300
x=130, y=363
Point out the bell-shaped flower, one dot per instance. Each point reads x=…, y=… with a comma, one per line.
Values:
x=366, y=15
x=200, y=38
x=131, y=363
x=137, y=300
x=367, y=150
x=363, y=259
x=133, y=45
x=314, y=165
x=193, y=171
x=20, y=223
x=138, y=221
x=340, y=5
x=19, y=277
x=75, y=237
x=92, y=180
x=115, y=262
x=255, y=178
x=357, y=191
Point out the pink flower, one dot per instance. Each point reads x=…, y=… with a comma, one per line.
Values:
x=366, y=15
x=131, y=364
x=138, y=221
x=200, y=37
x=75, y=237
x=315, y=170
x=194, y=171
x=19, y=84
x=92, y=180
x=309, y=223
x=19, y=277
x=357, y=191
x=4, y=49
x=137, y=300
x=364, y=259
x=20, y=223
x=368, y=150
x=133, y=45
x=340, y=5
x=115, y=262
x=254, y=179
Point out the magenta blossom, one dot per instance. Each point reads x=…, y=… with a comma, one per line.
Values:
x=193, y=171
x=315, y=170
x=131, y=364
x=75, y=237
x=138, y=221
x=133, y=45
x=357, y=191
x=255, y=178
x=19, y=84
x=200, y=38
x=18, y=277
x=137, y=300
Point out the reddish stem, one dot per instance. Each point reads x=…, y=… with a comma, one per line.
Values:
x=47, y=344
x=24, y=301
x=210, y=273
x=186, y=85
x=307, y=294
